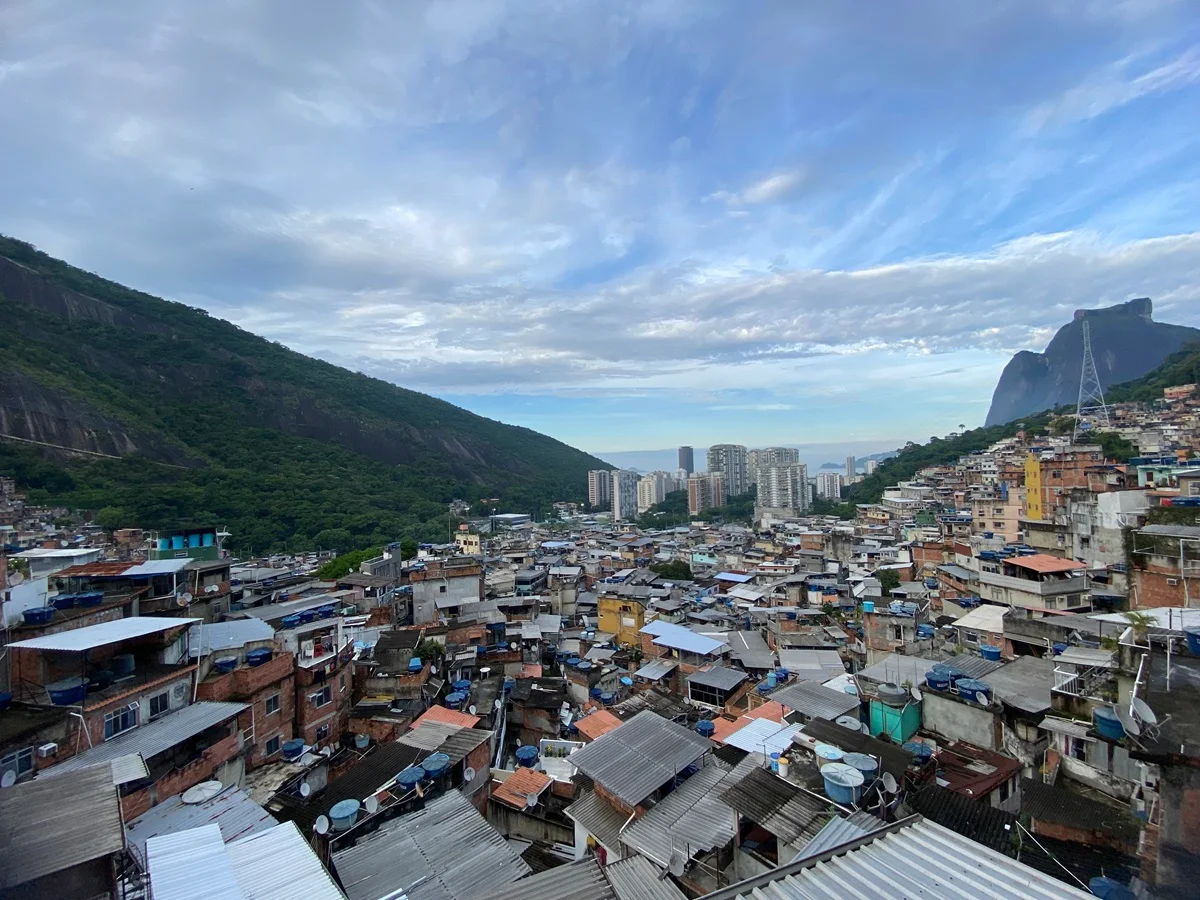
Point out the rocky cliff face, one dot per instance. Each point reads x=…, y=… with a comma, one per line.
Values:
x=1126, y=344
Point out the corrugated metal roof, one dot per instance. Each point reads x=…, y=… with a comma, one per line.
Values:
x=191, y=865
x=446, y=850
x=656, y=669
x=898, y=669
x=231, y=810
x=838, y=831
x=157, y=567
x=812, y=665
x=676, y=637
x=763, y=736
x=972, y=819
x=234, y=633
x=718, y=677
x=50, y=825
x=786, y=810
x=270, y=864
x=1023, y=683
x=641, y=756
x=913, y=858
x=636, y=878
x=692, y=818
x=749, y=649
x=1050, y=804
x=103, y=634
x=161, y=734
x=453, y=740
x=599, y=818
x=1088, y=657
x=124, y=769
x=814, y=700
x=583, y=880
x=988, y=617
x=1187, y=532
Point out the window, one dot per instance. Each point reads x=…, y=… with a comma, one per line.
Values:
x=321, y=697
x=441, y=589
x=897, y=632
x=1074, y=600
x=323, y=733
x=1004, y=792
x=160, y=704
x=1051, y=603
x=272, y=746
x=970, y=637
x=272, y=704
x=1076, y=748
x=19, y=761
x=342, y=682
x=119, y=721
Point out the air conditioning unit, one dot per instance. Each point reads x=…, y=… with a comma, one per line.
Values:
x=47, y=750
x=1172, y=581
x=307, y=649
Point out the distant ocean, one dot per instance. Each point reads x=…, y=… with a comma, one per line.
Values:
x=813, y=455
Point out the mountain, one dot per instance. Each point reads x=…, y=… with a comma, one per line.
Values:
x=1126, y=344
x=158, y=415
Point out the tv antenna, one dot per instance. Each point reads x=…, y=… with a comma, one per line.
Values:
x=1091, y=392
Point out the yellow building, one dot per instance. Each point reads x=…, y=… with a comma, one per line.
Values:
x=468, y=543
x=621, y=616
x=1033, y=488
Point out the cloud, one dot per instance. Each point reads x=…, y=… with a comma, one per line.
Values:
x=498, y=200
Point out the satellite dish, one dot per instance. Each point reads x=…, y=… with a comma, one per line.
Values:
x=512, y=646
x=1128, y=722
x=1142, y=710
x=864, y=728
x=531, y=800
x=916, y=694
x=305, y=789
x=675, y=866
x=186, y=596
x=433, y=670
x=327, y=752
x=205, y=790
x=372, y=805
x=497, y=705
x=322, y=825
x=180, y=601
x=469, y=774
x=471, y=709
x=889, y=782
x=981, y=698
x=8, y=779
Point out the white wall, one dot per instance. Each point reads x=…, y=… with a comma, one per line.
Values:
x=27, y=595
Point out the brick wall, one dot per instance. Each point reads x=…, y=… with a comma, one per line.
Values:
x=381, y=731
x=1081, y=835
x=1151, y=588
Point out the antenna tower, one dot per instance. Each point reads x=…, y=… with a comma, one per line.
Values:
x=1091, y=394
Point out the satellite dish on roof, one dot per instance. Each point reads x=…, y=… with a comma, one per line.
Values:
x=322, y=825
x=864, y=728
x=305, y=789
x=371, y=804
x=512, y=646
x=469, y=774
x=433, y=670
x=497, y=705
x=1142, y=710
x=8, y=779
x=1128, y=722
x=205, y=790
x=916, y=694
x=531, y=800
x=472, y=709
x=327, y=752
x=678, y=861
x=889, y=782
x=981, y=698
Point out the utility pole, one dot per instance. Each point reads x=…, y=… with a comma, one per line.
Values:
x=1091, y=393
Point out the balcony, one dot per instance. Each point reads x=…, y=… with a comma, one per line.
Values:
x=1076, y=584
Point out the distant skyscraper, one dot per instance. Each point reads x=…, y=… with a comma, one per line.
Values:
x=829, y=486
x=870, y=466
x=600, y=488
x=771, y=456
x=687, y=460
x=851, y=467
x=704, y=492
x=624, y=495
x=783, y=486
x=653, y=488
x=730, y=461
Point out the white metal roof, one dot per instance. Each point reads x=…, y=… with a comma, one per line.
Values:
x=989, y=617
x=763, y=736
x=191, y=865
x=103, y=634
x=157, y=567
x=56, y=552
x=656, y=669
x=232, y=634
x=232, y=810
x=676, y=637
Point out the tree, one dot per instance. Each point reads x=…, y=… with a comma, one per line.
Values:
x=888, y=579
x=337, y=539
x=675, y=570
x=1115, y=447
x=346, y=563
x=408, y=549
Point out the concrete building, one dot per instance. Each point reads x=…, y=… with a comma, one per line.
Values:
x=1050, y=476
x=443, y=587
x=851, y=468
x=731, y=462
x=600, y=488
x=770, y=456
x=783, y=486
x=829, y=486
x=705, y=492
x=651, y=489
x=624, y=494
x=870, y=466
x=687, y=460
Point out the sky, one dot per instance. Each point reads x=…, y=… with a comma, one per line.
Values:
x=629, y=225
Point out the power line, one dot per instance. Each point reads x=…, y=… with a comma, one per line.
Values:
x=1091, y=392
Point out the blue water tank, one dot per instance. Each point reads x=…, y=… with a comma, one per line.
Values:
x=410, y=777
x=259, y=656
x=64, y=601
x=705, y=728
x=327, y=612
x=193, y=540
x=1110, y=889
x=843, y=783
x=973, y=689
x=289, y=621
x=595, y=693
x=868, y=765
x=455, y=700
x=527, y=756
x=1192, y=635
x=987, y=651
x=827, y=753
x=584, y=666
x=209, y=539
x=415, y=665
x=626, y=681
x=225, y=663
x=938, y=681
x=163, y=544
x=343, y=814
x=764, y=688
x=573, y=661
x=39, y=615
x=1107, y=724
x=868, y=606
x=509, y=684
x=90, y=598
x=307, y=616
x=781, y=674
x=922, y=751
x=177, y=542
x=462, y=686
x=772, y=680
x=436, y=764
x=607, y=698
x=6, y=698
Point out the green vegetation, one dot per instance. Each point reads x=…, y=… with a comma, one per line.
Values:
x=889, y=580
x=343, y=565
x=675, y=570
x=674, y=511
x=1115, y=447
x=215, y=426
x=1181, y=367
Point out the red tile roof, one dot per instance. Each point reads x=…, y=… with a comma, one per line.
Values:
x=1044, y=563
x=520, y=785
x=596, y=724
x=772, y=710
x=449, y=716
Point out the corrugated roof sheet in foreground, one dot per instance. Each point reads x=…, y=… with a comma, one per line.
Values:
x=641, y=756
x=913, y=858
x=278, y=864
x=191, y=865
x=581, y=880
x=599, y=818
x=692, y=815
x=636, y=878
x=103, y=634
x=161, y=734
x=446, y=850
x=50, y=825
x=815, y=700
x=232, y=810
x=786, y=810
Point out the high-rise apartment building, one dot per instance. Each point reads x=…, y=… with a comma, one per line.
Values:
x=851, y=468
x=829, y=486
x=600, y=488
x=731, y=463
x=624, y=495
x=783, y=486
x=687, y=460
x=653, y=488
x=870, y=466
x=771, y=456
x=704, y=492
